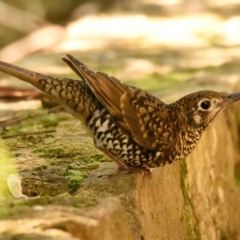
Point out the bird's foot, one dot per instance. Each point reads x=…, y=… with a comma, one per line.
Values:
x=116, y=173
x=122, y=166
x=146, y=172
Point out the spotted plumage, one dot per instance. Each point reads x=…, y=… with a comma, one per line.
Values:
x=134, y=128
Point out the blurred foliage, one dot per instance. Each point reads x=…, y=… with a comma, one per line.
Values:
x=52, y=11
x=48, y=11
x=27, y=16
x=44, y=11
x=59, y=13
x=55, y=12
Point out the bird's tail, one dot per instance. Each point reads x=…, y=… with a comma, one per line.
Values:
x=74, y=95
x=22, y=73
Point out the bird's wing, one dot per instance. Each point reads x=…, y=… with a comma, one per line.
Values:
x=148, y=120
x=137, y=112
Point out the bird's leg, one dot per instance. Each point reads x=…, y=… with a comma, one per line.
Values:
x=145, y=171
x=121, y=165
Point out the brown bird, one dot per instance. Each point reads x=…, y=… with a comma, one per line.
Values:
x=134, y=128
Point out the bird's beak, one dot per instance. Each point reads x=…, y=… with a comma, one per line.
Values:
x=233, y=97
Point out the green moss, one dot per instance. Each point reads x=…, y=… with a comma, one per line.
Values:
x=74, y=179
x=43, y=200
x=71, y=150
x=67, y=161
x=75, y=160
x=19, y=207
x=228, y=234
x=56, y=152
x=68, y=200
x=11, y=207
x=85, y=152
x=187, y=218
x=190, y=217
x=5, y=212
x=30, y=124
x=6, y=208
x=84, y=203
x=223, y=235
x=237, y=172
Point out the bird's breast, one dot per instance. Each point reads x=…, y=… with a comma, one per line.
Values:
x=108, y=134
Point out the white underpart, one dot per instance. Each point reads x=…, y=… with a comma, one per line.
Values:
x=197, y=119
x=103, y=127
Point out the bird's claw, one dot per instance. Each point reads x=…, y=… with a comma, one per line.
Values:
x=146, y=172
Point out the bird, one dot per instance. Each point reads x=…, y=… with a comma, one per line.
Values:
x=132, y=127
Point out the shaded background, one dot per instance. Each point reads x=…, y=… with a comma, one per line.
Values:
x=158, y=42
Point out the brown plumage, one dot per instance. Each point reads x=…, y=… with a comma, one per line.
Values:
x=134, y=128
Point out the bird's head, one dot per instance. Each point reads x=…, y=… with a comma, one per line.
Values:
x=200, y=108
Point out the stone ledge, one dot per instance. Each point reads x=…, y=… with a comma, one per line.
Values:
x=104, y=221
x=196, y=198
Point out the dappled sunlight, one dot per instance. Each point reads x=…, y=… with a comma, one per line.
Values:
x=135, y=30
x=229, y=31
x=224, y=2
x=20, y=105
x=33, y=42
x=162, y=2
x=140, y=68
x=132, y=30
x=137, y=46
x=214, y=56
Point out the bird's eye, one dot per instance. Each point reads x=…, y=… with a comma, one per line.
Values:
x=205, y=104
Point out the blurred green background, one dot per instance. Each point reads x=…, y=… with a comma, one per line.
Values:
x=184, y=45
